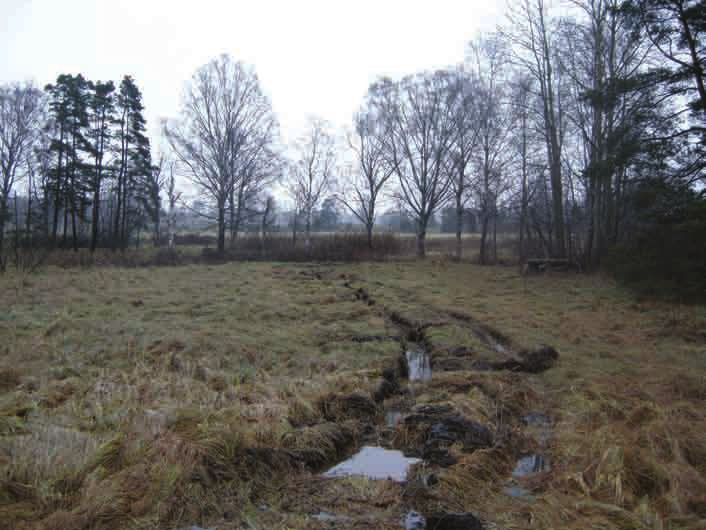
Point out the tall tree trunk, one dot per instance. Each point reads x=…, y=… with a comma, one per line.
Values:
x=74, y=232
x=157, y=228
x=3, y=213
x=122, y=176
x=557, y=201
x=65, y=235
x=307, y=241
x=294, y=230
x=221, y=226
x=459, y=223
x=552, y=138
x=74, y=190
x=95, y=216
x=238, y=215
x=123, y=229
x=459, y=233
x=95, y=211
x=57, y=188
x=523, y=198
x=483, y=258
x=421, y=238
x=495, y=234
x=118, y=210
x=231, y=203
x=17, y=234
x=28, y=217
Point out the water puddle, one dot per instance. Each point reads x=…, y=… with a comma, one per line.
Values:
x=325, y=516
x=419, y=365
x=518, y=492
x=528, y=465
x=375, y=463
x=393, y=417
x=414, y=521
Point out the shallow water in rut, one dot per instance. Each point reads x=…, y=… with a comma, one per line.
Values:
x=375, y=463
x=535, y=463
x=414, y=521
x=392, y=418
x=419, y=365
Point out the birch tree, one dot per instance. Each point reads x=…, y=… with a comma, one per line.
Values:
x=21, y=117
x=536, y=53
x=312, y=172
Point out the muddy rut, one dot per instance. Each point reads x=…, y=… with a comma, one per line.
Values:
x=419, y=435
x=412, y=443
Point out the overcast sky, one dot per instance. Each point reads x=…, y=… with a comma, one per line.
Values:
x=313, y=57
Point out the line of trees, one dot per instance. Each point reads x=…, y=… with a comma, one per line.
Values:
x=79, y=148
x=561, y=121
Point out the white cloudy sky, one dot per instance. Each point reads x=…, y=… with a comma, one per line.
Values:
x=313, y=57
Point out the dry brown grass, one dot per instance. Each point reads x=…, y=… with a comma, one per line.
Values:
x=229, y=387
x=9, y=379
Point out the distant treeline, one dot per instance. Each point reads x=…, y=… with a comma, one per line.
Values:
x=586, y=135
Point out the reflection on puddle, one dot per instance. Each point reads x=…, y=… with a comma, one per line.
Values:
x=419, y=365
x=518, y=493
x=325, y=516
x=393, y=417
x=375, y=463
x=414, y=521
x=535, y=463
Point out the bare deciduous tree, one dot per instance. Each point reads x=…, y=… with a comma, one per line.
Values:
x=260, y=165
x=267, y=220
x=21, y=114
x=418, y=115
x=489, y=59
x=370, y=173
x=312, y=173
x=224, y=113
x=466, y=117
x=172, y=196
x=524, y=141
x=536, y=53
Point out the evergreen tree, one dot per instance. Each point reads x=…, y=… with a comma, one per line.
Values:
x=59, y=109
x=134, y=162
x=677, y=30
x=69, y=109
x=102, y=117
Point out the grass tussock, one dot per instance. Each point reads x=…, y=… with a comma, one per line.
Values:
x=10, y=378
x=341, y=407
x=322, y=444
x=168, y=397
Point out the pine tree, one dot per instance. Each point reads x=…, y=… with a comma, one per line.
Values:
x=59, y=109
x=677, y=31
x=77, y=185
x=135, y=163
x=102, y=117
x=69, y=109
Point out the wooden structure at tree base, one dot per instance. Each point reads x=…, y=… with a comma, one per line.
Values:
x=549, y=264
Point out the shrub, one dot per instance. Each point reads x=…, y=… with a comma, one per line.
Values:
x=663, y=252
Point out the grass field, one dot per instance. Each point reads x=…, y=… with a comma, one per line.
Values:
x=215, y=396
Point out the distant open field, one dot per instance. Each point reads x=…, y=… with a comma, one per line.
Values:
x=216, y=396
